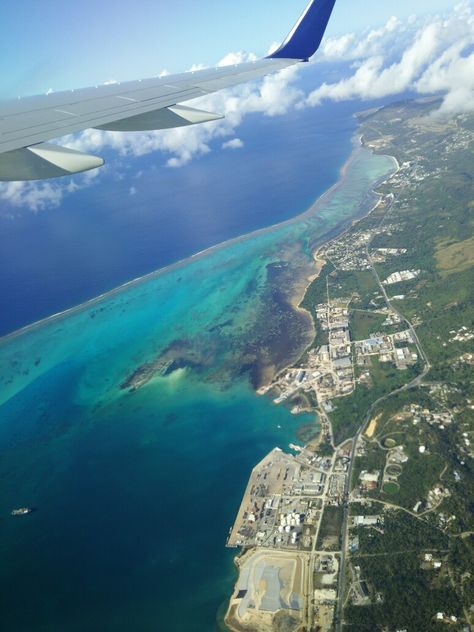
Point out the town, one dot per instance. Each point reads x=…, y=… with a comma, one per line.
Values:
x=328, y=528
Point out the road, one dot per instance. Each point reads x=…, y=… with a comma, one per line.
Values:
x=413, y=384
x=314, y=552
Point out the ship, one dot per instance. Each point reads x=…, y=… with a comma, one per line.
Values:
x=22, y=511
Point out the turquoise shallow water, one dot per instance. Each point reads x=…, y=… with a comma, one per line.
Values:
x=135, y=492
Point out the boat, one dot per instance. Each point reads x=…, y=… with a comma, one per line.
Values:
x=22, y=511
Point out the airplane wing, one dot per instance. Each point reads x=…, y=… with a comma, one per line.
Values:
x=27, y=124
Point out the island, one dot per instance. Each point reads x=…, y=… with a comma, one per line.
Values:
x=370, y=526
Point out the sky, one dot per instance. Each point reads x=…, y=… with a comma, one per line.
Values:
x=52, y=44
x=392, y=52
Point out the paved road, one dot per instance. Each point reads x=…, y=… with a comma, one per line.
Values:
x=413, y=384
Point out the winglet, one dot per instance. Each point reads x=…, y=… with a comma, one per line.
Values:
x=306, y=36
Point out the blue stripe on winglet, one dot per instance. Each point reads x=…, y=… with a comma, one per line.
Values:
x=306, y=36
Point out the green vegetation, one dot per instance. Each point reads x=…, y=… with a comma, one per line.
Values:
x=316, y=293
x=374, y=460
x=431, y=217
x=460, y=561
x=391, y=488
x=401, y=532
x=455, y=257
x=422, y=471
x=325, y=448
x=331, y=527
x=350, y=412
x=440, y=301
x=363, y=324
x=360, y=286
x=408, y=597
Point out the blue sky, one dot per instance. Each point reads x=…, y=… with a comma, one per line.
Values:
x=55, y=44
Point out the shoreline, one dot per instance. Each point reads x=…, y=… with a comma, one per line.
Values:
x=335, y=233
x=230, y=624
x=313, y=208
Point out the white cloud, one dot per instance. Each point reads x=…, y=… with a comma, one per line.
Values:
x=430, y=56
x=399, y=56
x=274, y=46
x=273, y=96
x=360, y=45
x=31, y=195
x=38, y=196
x=132, y=191
x=239, y=57
x=452, y=73
x=196, y=67
x=235, y=143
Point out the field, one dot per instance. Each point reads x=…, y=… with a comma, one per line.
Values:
x=330, y=533
x=364, y=324
x=455, y=257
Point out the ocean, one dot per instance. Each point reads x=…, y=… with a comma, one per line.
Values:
x=134, y=491
x=102, y=236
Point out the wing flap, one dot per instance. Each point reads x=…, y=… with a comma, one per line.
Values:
x=40, y=162
x=166, y=118
x=51, y=116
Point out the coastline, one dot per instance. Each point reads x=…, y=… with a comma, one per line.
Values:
x=313, y=208
x=335, y=233
x=230, y=623
x=84, y=360
x=319, y=263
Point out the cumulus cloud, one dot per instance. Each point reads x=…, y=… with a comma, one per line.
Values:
x=453, y=74
x=352, y=46
x=430, y=56
x=38, y=196
x=31, y=195
x=427, y=55
x=239, y=57
x=234, y=143
x=273, y=96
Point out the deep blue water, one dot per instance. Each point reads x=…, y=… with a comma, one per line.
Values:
x=135, y=491
x=101, y=237
x=134, y=503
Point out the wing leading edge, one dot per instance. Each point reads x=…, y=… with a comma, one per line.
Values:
x=26, y=124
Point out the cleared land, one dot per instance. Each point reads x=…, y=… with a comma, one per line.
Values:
x=457, y=257
x=270, y=582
